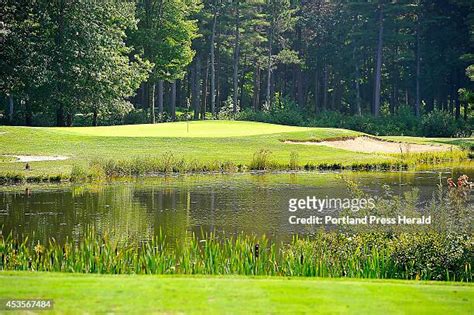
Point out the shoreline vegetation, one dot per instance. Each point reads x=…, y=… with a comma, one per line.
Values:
x=169, y=164
x=102, y=153
x=428, y=255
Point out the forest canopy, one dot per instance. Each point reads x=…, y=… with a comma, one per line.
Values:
x=384, y=67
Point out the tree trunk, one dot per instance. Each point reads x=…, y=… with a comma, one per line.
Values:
x=334, y=92
x=151, y=101
x=242, y=82
x=256, y=88
x=197, y=88
x=60, y=116
x=269, y=70
x=10, y=109
x=143, y=95
x=69, y=119
x=357, y=88
x=28, y=114
x=173, y=101
x=325, y=88
x=378, y=67
x=457, y=103
x=236, y=58
x=204, y=91
x=94, y=117
x=218, y=82
x=213, y=68
x=59, y=38
x=417, y=100
x=466, y=109
x=160, y=99
x=316, y=91
x=301, y=98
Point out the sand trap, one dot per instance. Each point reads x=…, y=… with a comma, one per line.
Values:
x=372, y=145
x=38, y=158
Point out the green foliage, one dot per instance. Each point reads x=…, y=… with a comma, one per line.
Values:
x=440, y=123
x=283, y=111
x=164, y=36
x=437, y=123
x=78, y=58
x=262, y=160
x=425, y=256
x=294, y=161
x=226, y=111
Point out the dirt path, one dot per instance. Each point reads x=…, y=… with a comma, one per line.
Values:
x=371, y=145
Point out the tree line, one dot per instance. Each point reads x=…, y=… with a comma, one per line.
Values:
x=104, y=60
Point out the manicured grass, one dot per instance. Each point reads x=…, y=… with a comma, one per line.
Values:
x=241, y=141
x=206, y=141
x=73, y=293
x=192, y=129
x=462, y=142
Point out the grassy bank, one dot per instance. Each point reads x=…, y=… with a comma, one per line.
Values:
x=194, y=146
x=240, y=295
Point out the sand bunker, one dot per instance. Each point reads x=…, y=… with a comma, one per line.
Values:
x=38, y=158
x=372, y=145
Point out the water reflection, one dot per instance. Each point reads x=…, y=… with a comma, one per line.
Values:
x=256, y=204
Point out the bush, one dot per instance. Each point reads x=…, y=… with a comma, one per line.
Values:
x=136, y=116
x=227, y=110
x=284, y=111
x=437, y=123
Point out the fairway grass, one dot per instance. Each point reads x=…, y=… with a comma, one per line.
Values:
x=78, y=293
x=202, y=141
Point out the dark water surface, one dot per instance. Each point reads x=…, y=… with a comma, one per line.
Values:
x=249, y=203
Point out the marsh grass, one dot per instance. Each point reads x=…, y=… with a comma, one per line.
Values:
x=433, y=158
x=262, y=160
x=426, y=256
x=294, y=161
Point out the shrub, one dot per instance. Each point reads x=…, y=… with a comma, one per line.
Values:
x=227, y=109
x=434, y=124
x=438, y=123
x=78, y=173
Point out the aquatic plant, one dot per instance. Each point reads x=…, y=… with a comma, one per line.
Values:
x=261, y=160
x=425, y=256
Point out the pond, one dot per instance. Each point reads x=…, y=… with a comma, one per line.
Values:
x=248, y=203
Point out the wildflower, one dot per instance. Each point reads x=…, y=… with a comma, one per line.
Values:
x=39, y=249
x=451, y=183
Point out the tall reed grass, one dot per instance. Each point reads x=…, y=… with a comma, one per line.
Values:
x=262, y=160
x=426, y=256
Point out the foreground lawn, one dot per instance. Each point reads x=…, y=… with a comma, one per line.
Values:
x=73, y=293
x=204, y=141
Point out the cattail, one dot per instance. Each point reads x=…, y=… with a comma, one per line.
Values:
x=257, y=250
